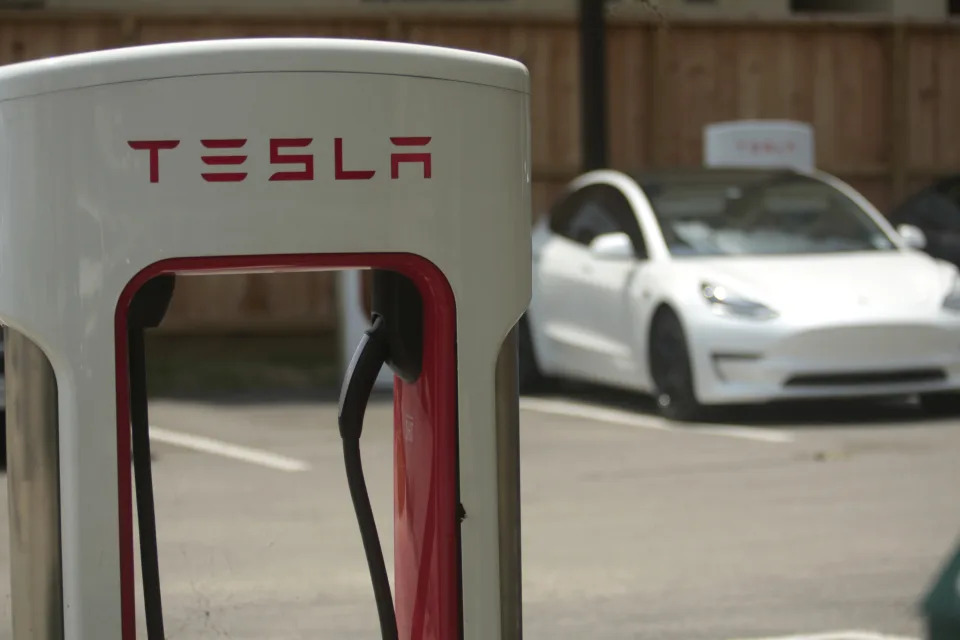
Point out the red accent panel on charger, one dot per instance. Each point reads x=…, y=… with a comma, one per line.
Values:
x=425, y=548
x=424, y=532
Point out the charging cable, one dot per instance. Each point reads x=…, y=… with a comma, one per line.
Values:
x=371, y=354
x=147, y=309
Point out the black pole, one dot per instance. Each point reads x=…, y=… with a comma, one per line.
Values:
x=593, y=85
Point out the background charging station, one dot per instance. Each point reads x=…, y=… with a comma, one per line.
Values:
x=759, y=143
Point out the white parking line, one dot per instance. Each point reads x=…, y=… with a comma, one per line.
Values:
x=227, y=450
x=626, y=418
x=837, y=635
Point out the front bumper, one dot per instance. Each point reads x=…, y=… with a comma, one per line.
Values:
x=738, y=360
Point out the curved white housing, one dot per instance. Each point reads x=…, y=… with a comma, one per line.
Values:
x=101, y=175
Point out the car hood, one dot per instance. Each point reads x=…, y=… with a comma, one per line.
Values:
x=890, y=281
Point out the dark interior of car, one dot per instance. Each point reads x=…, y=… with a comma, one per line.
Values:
x=935, y=210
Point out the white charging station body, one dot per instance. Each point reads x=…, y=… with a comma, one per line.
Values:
x=259, y=155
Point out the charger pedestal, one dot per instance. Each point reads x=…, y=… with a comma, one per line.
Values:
x=263, y=155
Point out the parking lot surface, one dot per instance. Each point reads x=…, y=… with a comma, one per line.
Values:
x=825, y=523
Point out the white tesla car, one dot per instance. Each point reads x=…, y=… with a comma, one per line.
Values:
x=715, y=286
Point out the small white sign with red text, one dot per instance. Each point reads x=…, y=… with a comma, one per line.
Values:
x=759, y=143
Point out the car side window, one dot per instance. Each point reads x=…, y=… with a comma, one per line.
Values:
x=576, y=217
x=594, y=210
x=563, y=211
x=619, y=209
x=591, y=220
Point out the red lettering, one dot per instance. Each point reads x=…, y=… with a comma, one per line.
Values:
x=154, y=147
x=230, y=160
x=765, y=146
x=304, y=163
x=305, y=159
x=339, y=172
x=397, y=158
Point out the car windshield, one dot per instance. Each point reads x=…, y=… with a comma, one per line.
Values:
x=759, y=214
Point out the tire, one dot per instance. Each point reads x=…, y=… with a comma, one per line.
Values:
x=671, y=371
x=941, y=404
x=531, y=378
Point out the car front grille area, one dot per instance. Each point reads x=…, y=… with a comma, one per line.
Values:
x=901, y=376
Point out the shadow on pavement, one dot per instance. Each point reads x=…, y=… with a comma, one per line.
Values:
x=827, y=413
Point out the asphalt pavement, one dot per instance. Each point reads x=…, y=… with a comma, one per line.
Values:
x=803, y=521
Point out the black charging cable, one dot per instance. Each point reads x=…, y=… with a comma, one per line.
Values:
x=371, y=354
x=146, y=310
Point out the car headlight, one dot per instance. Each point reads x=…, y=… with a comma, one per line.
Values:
x=952, y=301
x=725, y=302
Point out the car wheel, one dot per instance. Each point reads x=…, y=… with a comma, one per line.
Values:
x=671, y=370
x=941, y=404
x=531, y=378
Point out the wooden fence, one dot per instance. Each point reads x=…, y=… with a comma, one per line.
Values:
x=882, y=96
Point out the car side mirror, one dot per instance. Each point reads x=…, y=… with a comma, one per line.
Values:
x=612, y=246
x=912, y=236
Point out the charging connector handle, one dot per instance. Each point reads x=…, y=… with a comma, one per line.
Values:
x=371, y=354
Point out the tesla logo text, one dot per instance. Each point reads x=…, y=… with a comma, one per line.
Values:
x=765, y=146
x=224, y=159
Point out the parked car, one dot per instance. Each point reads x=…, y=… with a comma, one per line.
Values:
x=716, y=286
x=935, y=212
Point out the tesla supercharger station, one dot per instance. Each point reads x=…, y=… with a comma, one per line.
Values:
x=123, y=167
x=759, y=143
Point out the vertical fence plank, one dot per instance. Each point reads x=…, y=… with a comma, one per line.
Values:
x=923, y=95
x=899, y=101
x=659, y=96
x=629, y=64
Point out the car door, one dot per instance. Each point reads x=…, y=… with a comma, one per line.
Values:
x=565, y=286
x=608, y=304
x=550, y=312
